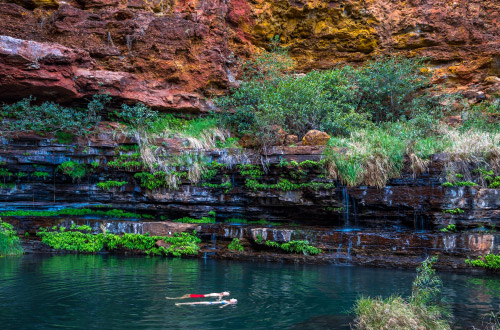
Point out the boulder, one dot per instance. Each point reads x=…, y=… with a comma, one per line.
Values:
x=291, y=139
x=315, y=138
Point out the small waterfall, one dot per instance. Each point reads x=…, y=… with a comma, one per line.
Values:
x=345, y=202
x=349, y=249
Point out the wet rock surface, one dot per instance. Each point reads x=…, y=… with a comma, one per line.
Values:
x=368, y=247
x=405, y=203
x=394, y=226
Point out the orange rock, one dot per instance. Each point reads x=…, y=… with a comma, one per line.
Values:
x=291, y=139
x=315, y=138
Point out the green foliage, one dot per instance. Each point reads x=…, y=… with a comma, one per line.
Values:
x=465, y=184
x=193, y=220
x=73, y=169
x=75, y=239
x=48, y=116
x=64, y=137
x=494, y=182
x=286, y=185
x=490, y=261
x=450, y=227
x=160, y=179
x=338, y=101
x=111, y=184
x=298, y=247
x=426, y=289
x=447, y=184
x=41, y=175
x=387, y=87
x=268, y=98
x=235, y=245
x=80, y=228
x=259, y=239
x=454, y=211
x=421, y=311
x=5, y=173
x=96, y=106
x=249, y=170
x=9, y=241
x=139, y=116
x=114, y=213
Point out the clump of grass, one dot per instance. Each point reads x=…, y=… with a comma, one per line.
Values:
x=367, y=156
x=421, y=311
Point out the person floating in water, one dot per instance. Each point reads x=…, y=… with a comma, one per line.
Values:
x=223, y=303
x=207, y=295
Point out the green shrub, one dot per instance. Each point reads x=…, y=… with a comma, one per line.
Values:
x=387, y=87
x=64, y=137
x=48, y=116
x=490, y=261
x=138, y=116
x=9, y=241
x=235, y=245
x=450, y=227
x=73, y=169
x=269, y=98
x=421, y=311
x=299, y=247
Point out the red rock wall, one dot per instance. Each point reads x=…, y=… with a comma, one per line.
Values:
x=172, y=55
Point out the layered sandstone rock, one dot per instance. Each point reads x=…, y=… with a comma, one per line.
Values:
x=174, y=55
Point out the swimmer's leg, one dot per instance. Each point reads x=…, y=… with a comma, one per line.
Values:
x=183, y=297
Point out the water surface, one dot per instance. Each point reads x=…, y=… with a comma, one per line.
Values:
x=109, y=292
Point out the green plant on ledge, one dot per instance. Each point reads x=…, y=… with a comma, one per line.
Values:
x=107, y=185
x=77, y=239
x=450, y=227
x=298, y=247
x=490, y=261
x=41, y=175
x=235, y=245
x=454, y=211
x=209, y=219
x=73, y=169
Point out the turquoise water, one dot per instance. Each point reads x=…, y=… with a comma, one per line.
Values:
x=107, y=292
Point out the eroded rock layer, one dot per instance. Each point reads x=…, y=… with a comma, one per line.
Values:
x=173, y=55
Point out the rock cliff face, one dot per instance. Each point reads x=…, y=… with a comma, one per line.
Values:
x=174, y=55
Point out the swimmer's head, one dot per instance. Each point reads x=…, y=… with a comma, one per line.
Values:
x=225, y=293
x=233, y=301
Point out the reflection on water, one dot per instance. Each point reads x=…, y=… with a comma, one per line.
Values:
x=107, y=292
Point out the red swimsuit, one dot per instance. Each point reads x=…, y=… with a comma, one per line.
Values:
x=196, y=296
